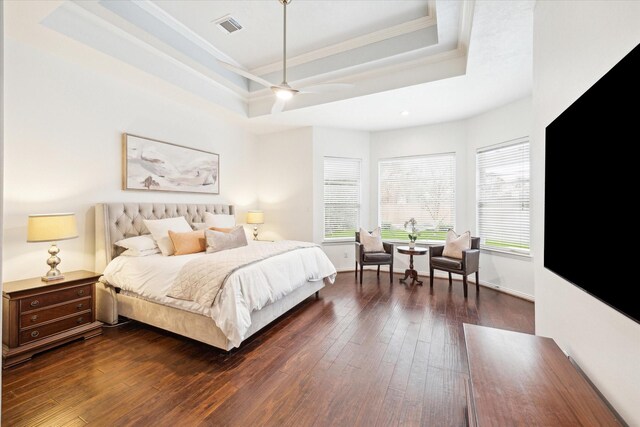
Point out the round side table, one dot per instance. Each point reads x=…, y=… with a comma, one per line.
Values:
x=411, y=272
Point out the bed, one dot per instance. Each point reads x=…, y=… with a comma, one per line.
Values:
x=136, y=288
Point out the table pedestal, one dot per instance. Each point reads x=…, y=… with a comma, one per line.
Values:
x=411, y=273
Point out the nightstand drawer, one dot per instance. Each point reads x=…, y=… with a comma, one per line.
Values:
x=36, y=317
x=32, y=334
x=44, y=300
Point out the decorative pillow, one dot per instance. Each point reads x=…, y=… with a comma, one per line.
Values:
x=372, y=242
x=159, y=229
x=198, y=225
x=455, y=244
x=138, y=243
x=190, y=242
x=136, y=253
x=218, y=241
x=220, y=221
x=222, y=230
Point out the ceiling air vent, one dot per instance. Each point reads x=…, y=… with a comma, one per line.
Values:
x=227, y=24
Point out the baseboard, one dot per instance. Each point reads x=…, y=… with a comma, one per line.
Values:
x=443, y=275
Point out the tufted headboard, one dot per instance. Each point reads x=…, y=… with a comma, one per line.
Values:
x=116, y=221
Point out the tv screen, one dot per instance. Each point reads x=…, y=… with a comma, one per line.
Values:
x=592, y=233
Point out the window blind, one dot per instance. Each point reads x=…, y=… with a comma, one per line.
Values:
x=341, y=197
x=503, y=196
x=421, y=187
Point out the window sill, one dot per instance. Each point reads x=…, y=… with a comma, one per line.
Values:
x=418, y=243
x=507, y=253
x=338, y=242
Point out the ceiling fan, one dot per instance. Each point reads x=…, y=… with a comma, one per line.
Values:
x=283, y=91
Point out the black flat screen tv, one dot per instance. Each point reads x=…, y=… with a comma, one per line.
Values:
x=592, y=176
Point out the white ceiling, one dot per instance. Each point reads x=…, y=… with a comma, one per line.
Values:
x=312, y=24
x=499, y=71
x=479, y=59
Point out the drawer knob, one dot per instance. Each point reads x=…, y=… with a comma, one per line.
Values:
x=80, y=319
x=34, y=334
x=34, y=317
x=79, y=306
x=35, y=303
x=81, y=292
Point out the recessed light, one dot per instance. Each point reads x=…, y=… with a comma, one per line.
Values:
x=405, y=113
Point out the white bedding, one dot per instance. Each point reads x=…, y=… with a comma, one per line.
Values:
x=246, y=290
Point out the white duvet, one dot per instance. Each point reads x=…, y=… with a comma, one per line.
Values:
x=246, y=290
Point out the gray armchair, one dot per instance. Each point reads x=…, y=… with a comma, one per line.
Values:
x=374, y=258
x=469, y=263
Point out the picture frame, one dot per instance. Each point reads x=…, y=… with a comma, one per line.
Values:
x=153, y=165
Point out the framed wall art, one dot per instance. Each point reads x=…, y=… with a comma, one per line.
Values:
x=152, y=165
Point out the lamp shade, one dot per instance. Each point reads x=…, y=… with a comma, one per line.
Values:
x=51, y=227
x=255, y=217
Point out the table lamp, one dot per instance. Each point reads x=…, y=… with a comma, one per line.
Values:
x=52, y=228
x=255, y=218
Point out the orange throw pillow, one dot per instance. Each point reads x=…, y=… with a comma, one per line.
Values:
x=189, y=242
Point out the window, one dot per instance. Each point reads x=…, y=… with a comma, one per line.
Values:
x=503, y=196
x=341, y=197
x=417, y=187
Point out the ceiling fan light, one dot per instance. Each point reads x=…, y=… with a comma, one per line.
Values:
x=283, y=92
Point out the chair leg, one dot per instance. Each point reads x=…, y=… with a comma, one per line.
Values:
x=378, y=273
x=464, y=284
x=431, y=277
x=356, y=270
x=450, y=280
x=361, y=270
x=391, y=273
x=477, y=281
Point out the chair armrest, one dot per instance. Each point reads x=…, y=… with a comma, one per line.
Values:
x=435, y=251
x=471, y=260
x=359, y=251
x=388, y=247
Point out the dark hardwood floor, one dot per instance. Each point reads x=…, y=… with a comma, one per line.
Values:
x=375, y=354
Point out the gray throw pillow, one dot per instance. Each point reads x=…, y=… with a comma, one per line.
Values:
x=218, y=241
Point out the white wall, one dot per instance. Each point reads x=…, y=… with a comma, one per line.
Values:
x=575, y=44
x=285, y=184
x=339, y=143
x=1, y=153
x=63, y=151
x=292, y=192
x=500, y=270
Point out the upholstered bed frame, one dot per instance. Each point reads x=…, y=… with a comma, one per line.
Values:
x=115, y=221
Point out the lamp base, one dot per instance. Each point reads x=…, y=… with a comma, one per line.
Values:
x=53, y=261
x=52, y=278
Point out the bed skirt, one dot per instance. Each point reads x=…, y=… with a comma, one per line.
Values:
x=192, y=325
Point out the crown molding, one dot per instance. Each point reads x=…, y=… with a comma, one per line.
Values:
x=354, y=43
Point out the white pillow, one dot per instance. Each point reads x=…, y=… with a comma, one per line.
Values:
x=136, y=253
x=455, y=244
x=371, y=242
x=219, y=221
x=198, y=226
x=159, y=229
x=138, y=243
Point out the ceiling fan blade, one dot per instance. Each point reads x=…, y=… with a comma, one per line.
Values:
x=325, y=88
x=278, y=106
x=245, y=73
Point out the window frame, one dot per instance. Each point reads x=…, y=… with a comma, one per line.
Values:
x=454, y=156
x=521, y=252
x=331, y=240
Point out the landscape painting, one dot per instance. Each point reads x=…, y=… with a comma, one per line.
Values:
x=160, y=166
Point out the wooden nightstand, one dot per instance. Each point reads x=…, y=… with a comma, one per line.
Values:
x=38, y=315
